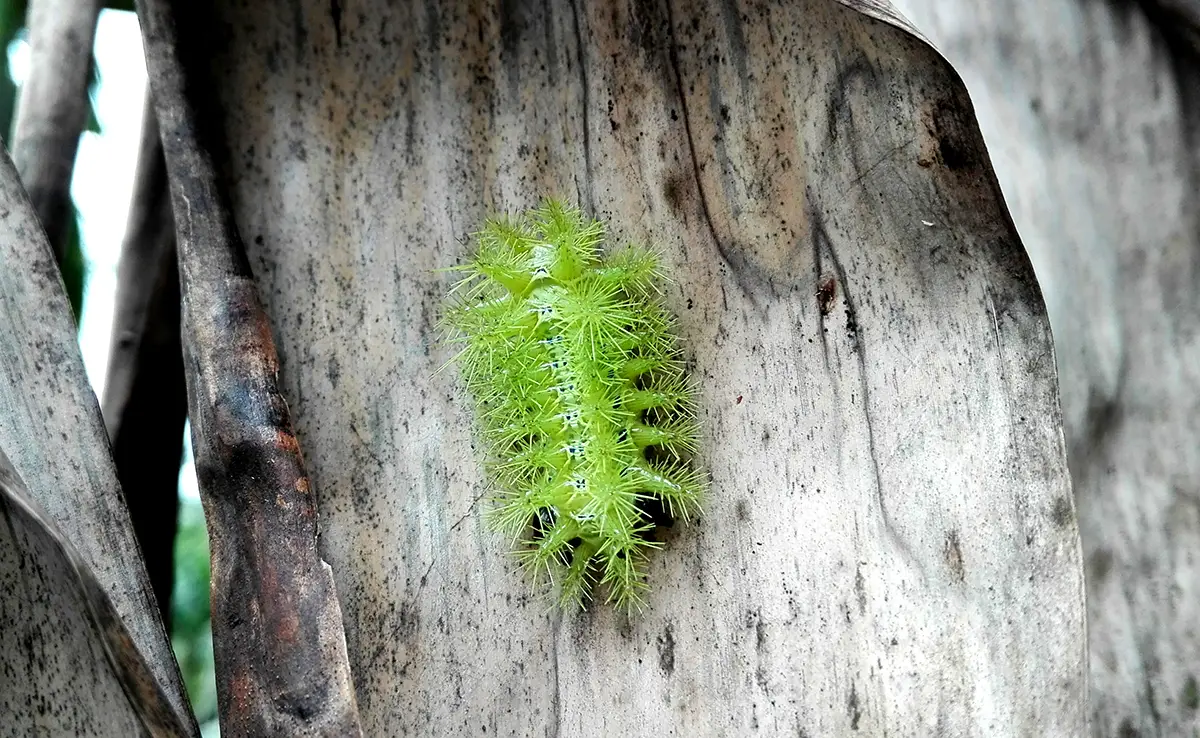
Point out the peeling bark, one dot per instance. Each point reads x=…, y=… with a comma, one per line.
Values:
x=280, y=651
x=145, y=397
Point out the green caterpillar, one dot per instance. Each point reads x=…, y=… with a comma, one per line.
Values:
x=589, y=419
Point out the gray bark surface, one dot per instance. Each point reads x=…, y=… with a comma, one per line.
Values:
x=1091, y=111
x=890, y=543
x=278, y=645
x=68, y=666
x=50, y=428
x=53, y=108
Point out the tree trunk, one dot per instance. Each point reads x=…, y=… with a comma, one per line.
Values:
x=50, y=429
x=890, y=542
x=1092, y=114
x=53, y=109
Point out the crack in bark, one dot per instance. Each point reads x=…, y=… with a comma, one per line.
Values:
x=586, y=188
x=736, y=264
x=822, y=243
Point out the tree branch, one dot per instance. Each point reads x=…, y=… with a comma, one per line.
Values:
x=145, y=398
x=53, y=109
x=277, y=626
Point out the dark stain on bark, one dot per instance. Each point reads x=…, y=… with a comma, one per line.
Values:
x=1099, y=565
x=1190, y=697
x=1061, y=513
x=826, y=294
x=860, y=590
x=953, y=131
x=335, y=14
x=673, y=191
x=512, y=28
x=666, y=650
x=952, y=553
x=742, y=510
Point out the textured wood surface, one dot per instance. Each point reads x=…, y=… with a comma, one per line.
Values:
x=53, y=108
x=68, y=665
x=890, y=543
x=278, y=646
x=1092, y=115
x=50, y=428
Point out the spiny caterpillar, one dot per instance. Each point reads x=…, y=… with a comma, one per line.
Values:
x=589, y=419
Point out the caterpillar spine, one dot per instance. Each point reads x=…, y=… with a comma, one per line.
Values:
x=589, y=419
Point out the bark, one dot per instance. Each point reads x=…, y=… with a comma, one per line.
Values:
x=145, y=397
x=1179, y=19
x=280, y=651
x=1092, y=114
x=890, y=544
x=51, y=429
x=71, y=667
x=53, y=109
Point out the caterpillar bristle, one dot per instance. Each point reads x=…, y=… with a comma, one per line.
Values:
x=581, y=397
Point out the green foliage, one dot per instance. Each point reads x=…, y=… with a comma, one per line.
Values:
x=589, y=419
x=74, y=266
x=93, y=123
x=191, y=629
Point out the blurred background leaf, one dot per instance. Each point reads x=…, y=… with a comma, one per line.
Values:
x=74, y=266
x=191, y=635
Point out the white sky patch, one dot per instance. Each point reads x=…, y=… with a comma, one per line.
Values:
x=189, y=488
x=103, y=181
x=18, y=60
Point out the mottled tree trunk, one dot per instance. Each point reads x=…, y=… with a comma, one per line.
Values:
x=1092, y=113
x=890, y=541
